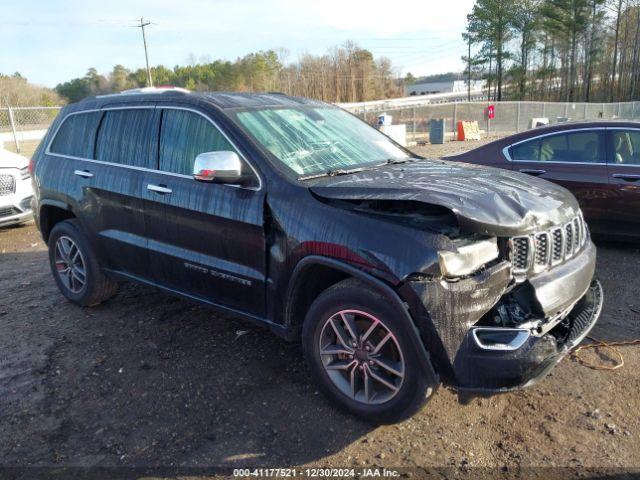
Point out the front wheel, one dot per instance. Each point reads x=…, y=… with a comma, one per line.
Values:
x=360, y=354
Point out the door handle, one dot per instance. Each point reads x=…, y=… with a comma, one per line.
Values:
x=83, y=173
x=627, y=177
x=158, y=189
x=532, y=171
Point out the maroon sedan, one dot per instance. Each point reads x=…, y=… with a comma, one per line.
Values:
x=599, y=162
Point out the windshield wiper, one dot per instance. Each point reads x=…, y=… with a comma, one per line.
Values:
x=395, y=161
x=341, y=171
x=333, y=173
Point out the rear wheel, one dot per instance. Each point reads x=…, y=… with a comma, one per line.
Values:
x=360, y=354
x=75, y=267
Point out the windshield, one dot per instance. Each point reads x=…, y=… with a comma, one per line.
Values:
x=318, y=140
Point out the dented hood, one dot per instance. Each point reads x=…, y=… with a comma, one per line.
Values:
x=485, y=200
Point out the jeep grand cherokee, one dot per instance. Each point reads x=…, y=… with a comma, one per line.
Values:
x=397, y=273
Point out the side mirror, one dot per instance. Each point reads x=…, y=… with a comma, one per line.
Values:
x=220, y=167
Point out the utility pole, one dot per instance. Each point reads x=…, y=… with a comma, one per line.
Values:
x=146, y=55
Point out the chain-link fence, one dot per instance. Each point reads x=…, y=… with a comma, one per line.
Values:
x=22, y=128
x=24, y=125
x=510, y=117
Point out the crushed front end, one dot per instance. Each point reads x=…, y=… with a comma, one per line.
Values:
x=507, y=318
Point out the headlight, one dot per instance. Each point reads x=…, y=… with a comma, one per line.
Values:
x=468, y=258
x=24, y=173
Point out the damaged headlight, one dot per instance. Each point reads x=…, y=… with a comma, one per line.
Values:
x=469, y=257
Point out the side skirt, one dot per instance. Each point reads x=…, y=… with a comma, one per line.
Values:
x=280, y=330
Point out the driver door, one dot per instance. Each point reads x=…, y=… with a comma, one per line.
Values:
x=206, y=240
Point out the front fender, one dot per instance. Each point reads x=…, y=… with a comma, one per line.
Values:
x=381, y=287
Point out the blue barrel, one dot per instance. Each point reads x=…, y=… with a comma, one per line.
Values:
x=436, y=131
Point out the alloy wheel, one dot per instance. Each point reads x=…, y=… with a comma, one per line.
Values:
x=362, y=357
x=70, y=264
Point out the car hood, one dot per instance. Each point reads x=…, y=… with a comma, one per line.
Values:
x=12, y=160
x=485, y=200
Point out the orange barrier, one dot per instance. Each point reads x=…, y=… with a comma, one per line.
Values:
x=468, y=131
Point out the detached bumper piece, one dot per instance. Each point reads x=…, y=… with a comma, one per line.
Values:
x=495, y=360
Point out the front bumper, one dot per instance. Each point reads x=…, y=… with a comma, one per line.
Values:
x=488, y=372
x=448, y=313
x=12, y=213
x=15, y=204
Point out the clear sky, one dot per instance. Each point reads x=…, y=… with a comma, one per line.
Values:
x=50, y=41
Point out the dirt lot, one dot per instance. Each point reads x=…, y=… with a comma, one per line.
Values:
x=150, y=380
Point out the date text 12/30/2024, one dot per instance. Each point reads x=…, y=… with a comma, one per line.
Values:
x=316, y=472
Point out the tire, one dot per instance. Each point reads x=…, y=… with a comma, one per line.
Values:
x=363, y=306
x=85, y=290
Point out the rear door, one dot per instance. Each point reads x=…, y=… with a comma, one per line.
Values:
x=623, y=146
x=107, y=152
x=206, y=240
x=126, y=145
x=574, y=159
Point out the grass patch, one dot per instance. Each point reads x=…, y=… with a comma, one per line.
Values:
x=27, y=148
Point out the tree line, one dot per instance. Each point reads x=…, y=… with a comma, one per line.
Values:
x=16, y=91
x=558, y=50
x=346, y=73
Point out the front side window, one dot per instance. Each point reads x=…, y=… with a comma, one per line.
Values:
x=76, y=135
x=574, y=147
x=626, y=147
x=128, y=137
x=183, y=136
x=315, y=140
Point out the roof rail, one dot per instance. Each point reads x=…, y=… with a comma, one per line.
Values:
x=143, y=90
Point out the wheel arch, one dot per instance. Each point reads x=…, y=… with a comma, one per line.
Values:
x=299, y=301
x=50, y=213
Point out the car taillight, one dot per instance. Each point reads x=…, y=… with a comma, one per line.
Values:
x=32, y=166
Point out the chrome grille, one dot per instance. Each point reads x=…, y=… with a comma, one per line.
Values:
x=548, y=248
x=568, y=239
x=542, y=251
x=7, y=184
x=521, y=251
x=557, y=249
x=577, y=234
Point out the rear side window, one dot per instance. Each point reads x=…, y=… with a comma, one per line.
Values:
x=582, y=147
x=626, y=147
x=76, y=135
x=183, y=136
x=128, y=137
x=526, y=151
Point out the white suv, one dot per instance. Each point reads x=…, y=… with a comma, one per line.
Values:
x=15, y=189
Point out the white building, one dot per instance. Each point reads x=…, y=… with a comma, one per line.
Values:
x=452, y=86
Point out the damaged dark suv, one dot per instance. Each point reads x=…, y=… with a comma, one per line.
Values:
x=396, y=272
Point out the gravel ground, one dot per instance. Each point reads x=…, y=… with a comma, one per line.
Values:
x=450, y=148
x=150, y=380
